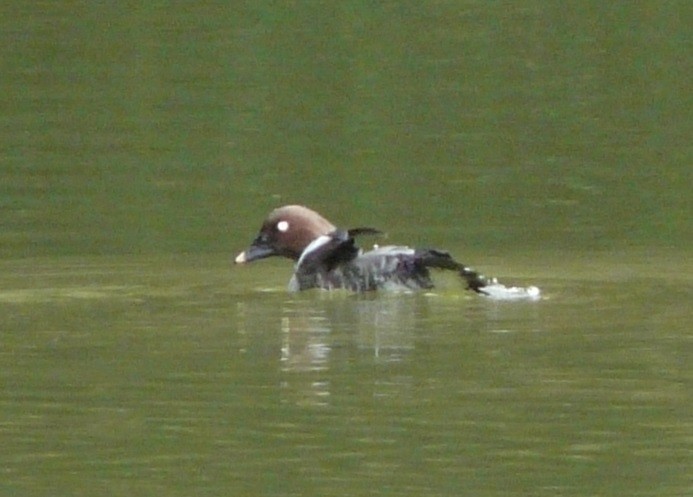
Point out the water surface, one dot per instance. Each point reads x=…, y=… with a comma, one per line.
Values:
x=543, y=143
x=179, y=375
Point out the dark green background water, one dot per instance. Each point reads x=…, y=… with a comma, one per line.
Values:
x=544, y=142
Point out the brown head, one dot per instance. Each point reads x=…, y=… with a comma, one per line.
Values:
x=286, y=232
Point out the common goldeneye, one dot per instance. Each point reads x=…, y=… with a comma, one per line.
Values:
x=327, y=257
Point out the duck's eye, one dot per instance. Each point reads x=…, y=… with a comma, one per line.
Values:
x=283, y=226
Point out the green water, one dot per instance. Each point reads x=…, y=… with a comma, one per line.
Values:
x=544, y=143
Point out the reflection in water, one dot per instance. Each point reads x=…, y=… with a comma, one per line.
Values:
x=313, y=340
x=382, y=326
x=317, y=335
x=304, y=349
x=386, y=326
x=304, y=345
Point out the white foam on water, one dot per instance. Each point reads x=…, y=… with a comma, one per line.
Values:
x=497, y=291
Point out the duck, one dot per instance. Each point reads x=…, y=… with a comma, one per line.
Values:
x=328, y=257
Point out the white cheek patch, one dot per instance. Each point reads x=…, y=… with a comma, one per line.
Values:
x=283, y=226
